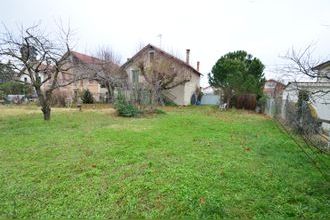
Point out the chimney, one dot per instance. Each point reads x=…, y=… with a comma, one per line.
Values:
x=197, y=66
x=187, y=56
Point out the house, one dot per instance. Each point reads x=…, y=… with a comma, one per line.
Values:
x=319, y=93
x=273, y=88
x=323, y=71
x=180, y=94
x=98, y=91
x=79, y=63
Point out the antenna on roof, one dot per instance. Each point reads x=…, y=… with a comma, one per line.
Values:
x=160, y=40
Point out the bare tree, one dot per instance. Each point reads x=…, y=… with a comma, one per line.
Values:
x=162, y=74
x=107, y=71
x=310, y=86
x=303, y=64
x=45, y=61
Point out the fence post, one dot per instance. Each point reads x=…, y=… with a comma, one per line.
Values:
x=329, y=140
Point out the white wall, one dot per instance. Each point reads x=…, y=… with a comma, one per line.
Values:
x=28, y=79
x=178, y=92
x=190, y=88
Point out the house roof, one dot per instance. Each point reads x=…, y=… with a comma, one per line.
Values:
x=308, y=84
x=273, y=80
x=85, y=58
x=322, y=65
x=79, y=56
x=164, y=53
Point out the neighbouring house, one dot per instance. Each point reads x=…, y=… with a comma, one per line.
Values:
x=273, y=88
x=79, y=63
x=80, y=60
x=181, y=94
x=323, y=71
x=319, y=93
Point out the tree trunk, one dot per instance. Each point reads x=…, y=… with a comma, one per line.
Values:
x=229, y=96
x=153, y=99
x=46, y=111
x=228, y=101
x=110, y=93
x=160, y=99
x=44, y=100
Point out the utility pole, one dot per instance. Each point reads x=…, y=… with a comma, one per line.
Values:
x=160, y=40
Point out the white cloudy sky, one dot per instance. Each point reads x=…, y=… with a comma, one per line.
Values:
x=264, y=28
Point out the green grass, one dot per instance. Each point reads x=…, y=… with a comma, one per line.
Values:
x=190, y=162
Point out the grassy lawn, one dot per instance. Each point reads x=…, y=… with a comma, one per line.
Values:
x=191, y=162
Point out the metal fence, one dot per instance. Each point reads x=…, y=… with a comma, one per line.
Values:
x=300, y=118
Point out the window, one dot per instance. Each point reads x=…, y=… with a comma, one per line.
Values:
x=135, y=76
x=75, y=93
x=151, y=56
x=102, y=85
x=270, y=85
x=25, y=79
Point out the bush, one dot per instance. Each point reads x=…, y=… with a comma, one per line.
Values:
x=125, y=108
x=87, y=97
x=246, y=101
x=262, y=101
x=159, y=111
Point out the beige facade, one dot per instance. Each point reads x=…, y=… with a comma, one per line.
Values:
x=181, y=94
x=75, y=89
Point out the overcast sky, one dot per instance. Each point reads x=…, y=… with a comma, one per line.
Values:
x=264, y=28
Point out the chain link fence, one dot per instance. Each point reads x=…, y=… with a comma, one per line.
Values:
x=301, y=118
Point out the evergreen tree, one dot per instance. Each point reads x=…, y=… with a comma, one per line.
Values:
x=238, y=73
x=87, y=97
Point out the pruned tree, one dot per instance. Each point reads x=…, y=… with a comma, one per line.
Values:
x=44, y=60
x=107, y=72
x=306, y=95
x=161, y=74
x=302, y=63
